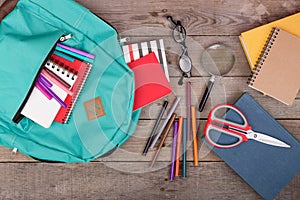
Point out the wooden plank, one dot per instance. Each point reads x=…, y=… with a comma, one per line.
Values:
x=199, y=17
x=227, y=90
x=209, y=18
x=196, y=46
x=102, y=181
x=133, y=148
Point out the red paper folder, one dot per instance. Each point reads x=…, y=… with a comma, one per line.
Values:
x=151, y=83
x=81, y=69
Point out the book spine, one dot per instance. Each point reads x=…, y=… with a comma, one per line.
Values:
x=264, y=54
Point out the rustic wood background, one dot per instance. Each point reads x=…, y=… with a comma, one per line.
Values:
x=125, y=174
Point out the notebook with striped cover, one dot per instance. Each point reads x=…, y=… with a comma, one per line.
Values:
x=135, y=51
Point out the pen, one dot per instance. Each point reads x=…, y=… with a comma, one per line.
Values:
x=179, y=136
x=64, y=56
x=172, y=171
x=67, y=85
x=184, y=139
x=46, y=82
x=194, y=129
x=163, y=109
x=166, y=131
x=57, y=82
x=45, y=93
x=172, y=109
x=52, y=94
x=76, y=51
x=74, y=54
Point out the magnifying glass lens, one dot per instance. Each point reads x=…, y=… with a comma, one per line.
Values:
x=217, y=60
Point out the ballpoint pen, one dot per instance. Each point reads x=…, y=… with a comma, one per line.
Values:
x=155, y=127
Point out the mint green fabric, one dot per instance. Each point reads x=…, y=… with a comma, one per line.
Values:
x=27, y=35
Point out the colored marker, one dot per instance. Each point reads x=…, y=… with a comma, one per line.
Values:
x=52, y=94
x=57, y=77
x=88, y=55
x=45, y=93
x=57, y=82
x=188, y=109
x=155, y=127
x=164, y=135
x=184, y=140
x=73, y=54
x=194, y=129
x=174, y=106
x=172, y=171
x=64, y=56
x=47, y=83
x=179, y=138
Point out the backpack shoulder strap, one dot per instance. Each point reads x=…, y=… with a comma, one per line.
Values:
x=7, y=7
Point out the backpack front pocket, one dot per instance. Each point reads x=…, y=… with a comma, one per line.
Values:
x=23, y=53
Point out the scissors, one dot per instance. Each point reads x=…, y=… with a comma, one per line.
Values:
x=242, y=132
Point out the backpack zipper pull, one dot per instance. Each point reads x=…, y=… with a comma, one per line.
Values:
x=123, y=40
x=65, y=37
x=14, y=151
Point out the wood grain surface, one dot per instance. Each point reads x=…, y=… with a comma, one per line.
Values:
x=126, y=174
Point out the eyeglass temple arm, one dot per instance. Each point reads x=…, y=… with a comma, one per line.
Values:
x=176, y=24
x=170, y=18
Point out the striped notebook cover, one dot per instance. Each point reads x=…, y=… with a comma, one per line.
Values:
x=135, y=51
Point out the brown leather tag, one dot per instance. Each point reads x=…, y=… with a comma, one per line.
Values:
x=94, y=108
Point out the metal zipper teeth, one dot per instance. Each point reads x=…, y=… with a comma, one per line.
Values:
x=18, y=116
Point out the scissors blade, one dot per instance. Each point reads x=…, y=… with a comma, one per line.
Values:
x=267, y=139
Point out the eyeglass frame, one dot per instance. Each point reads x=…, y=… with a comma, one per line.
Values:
x=182, y=34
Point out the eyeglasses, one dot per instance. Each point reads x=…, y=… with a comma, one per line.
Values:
x=179, y=36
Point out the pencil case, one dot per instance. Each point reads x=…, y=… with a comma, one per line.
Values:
x=28, y=35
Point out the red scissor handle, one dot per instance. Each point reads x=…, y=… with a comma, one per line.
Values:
x=226, y=127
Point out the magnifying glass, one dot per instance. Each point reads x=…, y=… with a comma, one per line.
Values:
x=217, y=60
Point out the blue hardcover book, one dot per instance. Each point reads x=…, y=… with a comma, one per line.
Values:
x=267, y=169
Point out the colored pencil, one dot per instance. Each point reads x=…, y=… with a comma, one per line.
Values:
x=57, y=82
x=184, y=140
x=171, y=111
x=162, y=111
x=77, y=51
x=172, y=171
x=164, y=135
x=195, y=140
x=188, y=109
x=179, y=138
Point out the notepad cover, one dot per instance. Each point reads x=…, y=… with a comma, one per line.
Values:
x=267, y=169
x=279, y=75
x=135, y=51
x=42, y=110
x=253, y=40
x=82, y=70
x=151, y=83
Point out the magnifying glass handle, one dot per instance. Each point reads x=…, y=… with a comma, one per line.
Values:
x=206, y=94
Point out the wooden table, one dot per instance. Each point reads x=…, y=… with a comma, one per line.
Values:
x=126, y=174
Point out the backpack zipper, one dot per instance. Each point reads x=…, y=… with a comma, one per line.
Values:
x=18, y=116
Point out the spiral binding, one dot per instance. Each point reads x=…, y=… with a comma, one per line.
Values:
x=63, y=66
x=263, y=55
x=76, y=94
x=56, y=67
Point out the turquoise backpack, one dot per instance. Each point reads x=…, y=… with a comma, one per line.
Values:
x=27, y=36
